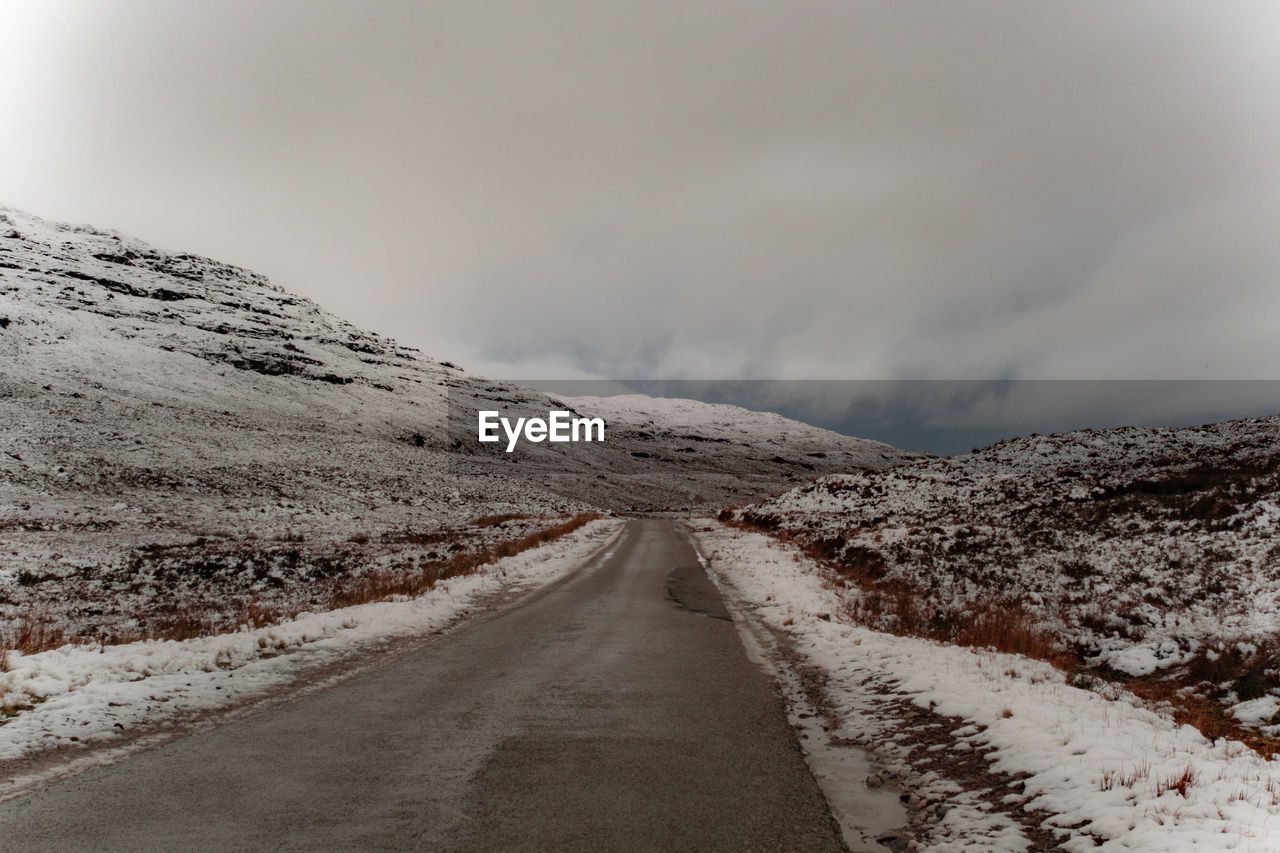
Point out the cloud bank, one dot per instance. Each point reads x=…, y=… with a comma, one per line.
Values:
x=861, y=190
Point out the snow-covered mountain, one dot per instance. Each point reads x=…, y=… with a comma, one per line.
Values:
x=1137, y=551
x=661, y=454
x=151, y=399
x=683, y=422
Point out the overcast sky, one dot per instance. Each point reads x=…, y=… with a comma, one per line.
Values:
x=678, y=189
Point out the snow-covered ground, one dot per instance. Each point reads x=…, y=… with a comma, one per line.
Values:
x=1137, y=551
x=80, y=694
x=999, y=751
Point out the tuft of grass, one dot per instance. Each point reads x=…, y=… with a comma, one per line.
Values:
x=33, y=631
x=1124, y=779
x=1179, y=782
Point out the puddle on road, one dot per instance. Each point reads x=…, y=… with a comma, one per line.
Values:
x=691, y=589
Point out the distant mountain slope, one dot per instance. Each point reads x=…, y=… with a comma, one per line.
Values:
x=694, y=421
x=733, y=451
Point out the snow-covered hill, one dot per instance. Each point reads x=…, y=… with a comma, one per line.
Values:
x=686, y=423
x=1136, y=551
x=663, y=454
x=165, y=416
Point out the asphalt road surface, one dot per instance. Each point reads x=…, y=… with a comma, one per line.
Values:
x=598, y=714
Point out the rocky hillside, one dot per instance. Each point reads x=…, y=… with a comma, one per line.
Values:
x=1137, y=552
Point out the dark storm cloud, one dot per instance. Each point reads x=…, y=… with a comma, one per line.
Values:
x=985, y=189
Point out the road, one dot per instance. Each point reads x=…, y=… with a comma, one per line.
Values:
x=598, y=714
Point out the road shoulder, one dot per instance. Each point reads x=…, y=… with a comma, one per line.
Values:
x=90, y=707
x=995, y=751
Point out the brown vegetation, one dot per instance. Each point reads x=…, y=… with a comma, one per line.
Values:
x=37, y=631
x=33, y=631
x=1004, y=624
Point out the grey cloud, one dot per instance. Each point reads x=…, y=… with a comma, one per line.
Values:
x=960, y=189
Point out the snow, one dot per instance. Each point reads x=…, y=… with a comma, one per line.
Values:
x=1144, y=658
x=728, y=425
x=87, y=694
x=1258, y=711
x=1099, y=764
x=1145, y=551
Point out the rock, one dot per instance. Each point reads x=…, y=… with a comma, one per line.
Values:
x=895, y=841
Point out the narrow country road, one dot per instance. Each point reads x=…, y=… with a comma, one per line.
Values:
x=600, y=714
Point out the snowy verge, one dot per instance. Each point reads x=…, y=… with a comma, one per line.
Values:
x=1100, y=770
x=78, y=694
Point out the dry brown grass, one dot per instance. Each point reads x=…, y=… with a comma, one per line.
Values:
x=1207, y=715
x=181, y=624
x=896, y=606
x=1125, y=778
x=1002, y=624
x=1179, y=782
x=1005, y=625
x=35, y=631
x=408, y=579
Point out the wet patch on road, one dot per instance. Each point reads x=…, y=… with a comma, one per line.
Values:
x=691, y=589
